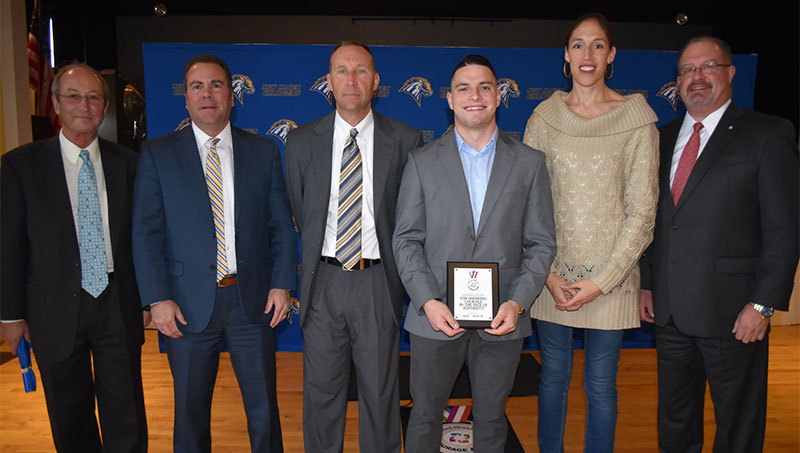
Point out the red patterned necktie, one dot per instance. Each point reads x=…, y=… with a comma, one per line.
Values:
x=688, y=158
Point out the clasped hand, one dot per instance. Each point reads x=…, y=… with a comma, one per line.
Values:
x=571, y=296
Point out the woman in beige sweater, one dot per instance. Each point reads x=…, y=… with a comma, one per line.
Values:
x=602, y=156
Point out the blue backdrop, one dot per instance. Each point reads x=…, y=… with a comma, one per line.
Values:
x=279, y=87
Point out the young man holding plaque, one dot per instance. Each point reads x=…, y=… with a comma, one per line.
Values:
x=480, y=201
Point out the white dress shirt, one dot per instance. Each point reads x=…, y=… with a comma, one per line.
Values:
x=365, y=140
x=687, y=128
x=225, y=152
x=71, y=156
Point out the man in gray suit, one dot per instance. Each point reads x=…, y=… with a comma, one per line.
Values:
x=473, y=195
x=343, y=173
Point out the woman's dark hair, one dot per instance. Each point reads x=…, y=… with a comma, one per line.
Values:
x=601, y=21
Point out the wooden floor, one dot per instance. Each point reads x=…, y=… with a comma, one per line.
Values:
x=24, y=426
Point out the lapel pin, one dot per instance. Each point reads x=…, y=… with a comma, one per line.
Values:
x=730, y=128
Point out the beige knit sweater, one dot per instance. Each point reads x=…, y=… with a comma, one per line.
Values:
x=604, y=176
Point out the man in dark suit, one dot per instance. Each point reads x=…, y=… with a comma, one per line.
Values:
x=474, y=195
x=216, y=257
x=68, y=281
x=343, y=172
x=723, y=256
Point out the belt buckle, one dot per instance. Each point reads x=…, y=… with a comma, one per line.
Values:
x=358, y=267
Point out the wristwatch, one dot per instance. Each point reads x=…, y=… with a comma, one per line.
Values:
x=765, y=311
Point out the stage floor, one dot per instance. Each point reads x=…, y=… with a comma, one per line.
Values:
x=24, y=426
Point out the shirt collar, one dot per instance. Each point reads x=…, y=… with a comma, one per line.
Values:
x=364, y=127
x=72, y=152
x=464, y=147
x=709, y=122
x=202, y=138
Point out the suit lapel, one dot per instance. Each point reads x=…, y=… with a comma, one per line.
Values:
x=54, y=185
x=501, y=168
x=718, y=141
x=453, y=169
x=193, y=171
x=321, y=146
x=382, y=155
x=669, y=136
x=241, y=164
x=114, y=172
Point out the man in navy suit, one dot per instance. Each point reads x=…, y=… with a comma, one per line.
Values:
x=215, y=253
x=723, y=257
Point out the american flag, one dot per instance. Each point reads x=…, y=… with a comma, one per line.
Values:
x=39, y=70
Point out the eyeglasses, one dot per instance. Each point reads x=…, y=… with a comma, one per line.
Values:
x=75, y=98
x=685, y=71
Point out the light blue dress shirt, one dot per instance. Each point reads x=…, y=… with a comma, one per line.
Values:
x=477, y=169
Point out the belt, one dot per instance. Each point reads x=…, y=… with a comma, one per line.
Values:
x=228, y=280
x=360, y=265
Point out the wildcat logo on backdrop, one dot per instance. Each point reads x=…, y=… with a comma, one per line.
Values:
x=448, y=129
x=321, y=87
x=242, y=85
x=670, y=92
x=185, y=122
x=294, y=309
x=508, y=88
x=281, y=128
x=416, y=87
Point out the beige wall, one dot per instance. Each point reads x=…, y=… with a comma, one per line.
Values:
x=15, y=117
x=782, y=318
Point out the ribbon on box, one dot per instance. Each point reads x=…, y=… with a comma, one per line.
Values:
x=28, y=376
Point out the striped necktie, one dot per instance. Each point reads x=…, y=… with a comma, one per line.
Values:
x=214, y=183
x=348, y=232
x=94, y=270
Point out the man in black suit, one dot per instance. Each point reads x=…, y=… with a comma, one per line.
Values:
x=723, y=257
x=351, y=295
x=67, y=273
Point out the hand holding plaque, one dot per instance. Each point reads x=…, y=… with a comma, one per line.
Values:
x=473, y=292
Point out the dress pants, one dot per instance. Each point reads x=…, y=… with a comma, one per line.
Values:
x=350, y=318
x=103, y=364
x=194, y=361
x=737, y=377
x=435, y=365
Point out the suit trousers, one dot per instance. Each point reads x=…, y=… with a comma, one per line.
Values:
x=103, y=364
x=434, y=367
x=350, y=318
x=194, y=361
x=737, y=377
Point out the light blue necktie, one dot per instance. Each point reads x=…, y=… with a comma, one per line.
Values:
x=94, y=270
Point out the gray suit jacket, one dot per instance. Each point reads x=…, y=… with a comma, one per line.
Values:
x=308, y=180
x=434, y=226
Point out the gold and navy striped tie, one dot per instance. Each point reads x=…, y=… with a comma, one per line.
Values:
x=348, y=232
x=214, y=182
